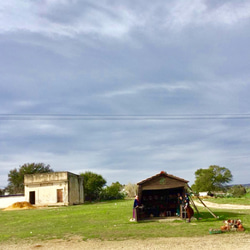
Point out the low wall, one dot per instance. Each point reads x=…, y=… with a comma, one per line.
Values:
x=9, y=200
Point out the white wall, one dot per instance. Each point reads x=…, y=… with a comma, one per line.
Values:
x=8, y=201
x=41, y=189
x=203, y=194
x=47, y=195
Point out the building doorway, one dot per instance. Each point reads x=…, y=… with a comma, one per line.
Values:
x=59, y=195
x=32, y=197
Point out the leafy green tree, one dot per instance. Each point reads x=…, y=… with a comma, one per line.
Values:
x=237, y=191
x=2, y=191
x=212, y=179
x=113, y=192
x=93, y=184
x=16, y=176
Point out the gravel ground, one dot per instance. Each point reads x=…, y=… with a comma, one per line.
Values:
x=223, y=206
x=237, y=241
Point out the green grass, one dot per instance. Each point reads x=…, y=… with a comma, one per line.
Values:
x=239, y=201
x=105, y=221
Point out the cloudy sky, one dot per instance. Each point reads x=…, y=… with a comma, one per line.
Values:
x=125, y=89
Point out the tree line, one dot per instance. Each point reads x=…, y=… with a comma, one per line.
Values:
x=212, y=179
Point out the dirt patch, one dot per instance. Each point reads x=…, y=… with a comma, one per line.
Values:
x=227, y=241
x=223, y=206
x=19, y=205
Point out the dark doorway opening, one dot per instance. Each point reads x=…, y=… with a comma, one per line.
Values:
x=32, y=197
x=160, y=202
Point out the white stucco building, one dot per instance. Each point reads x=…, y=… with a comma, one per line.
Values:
x=55, y=188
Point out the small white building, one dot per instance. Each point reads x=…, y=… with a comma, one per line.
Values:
x=55, y=188
x=203, y=194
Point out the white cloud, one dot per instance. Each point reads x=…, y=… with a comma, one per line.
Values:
x=136, y=90
x=184, y=13
x=31, y=17
x=115, y=21
x=230, y=13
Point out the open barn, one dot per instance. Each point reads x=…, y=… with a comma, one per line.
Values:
x=159, y=195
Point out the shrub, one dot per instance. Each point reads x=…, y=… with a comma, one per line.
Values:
x=237, y=191
x=113, y=192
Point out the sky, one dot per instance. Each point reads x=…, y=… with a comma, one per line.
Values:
x=125, y=89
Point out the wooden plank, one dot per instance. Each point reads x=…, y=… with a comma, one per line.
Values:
x=162, y=182
x=204, y=204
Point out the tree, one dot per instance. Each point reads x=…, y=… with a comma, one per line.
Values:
x=16, y=177
x=131, y=190
x=212, y=179
x=237, y=190
x=93, y=184
x=2, y=191
x=113, y=192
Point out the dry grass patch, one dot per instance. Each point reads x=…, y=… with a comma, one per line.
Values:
x=19, y=205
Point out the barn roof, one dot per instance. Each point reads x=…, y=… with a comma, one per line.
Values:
x=162, y=174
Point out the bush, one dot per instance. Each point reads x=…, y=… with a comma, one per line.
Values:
x=93, y=184
x=237, y=191
x=113, y=192
x=228, y=195
x=222, y=195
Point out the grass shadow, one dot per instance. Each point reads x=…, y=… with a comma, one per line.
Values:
x=222, y=215
x=162, y=219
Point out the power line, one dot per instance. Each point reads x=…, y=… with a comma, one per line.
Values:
x=34, y=117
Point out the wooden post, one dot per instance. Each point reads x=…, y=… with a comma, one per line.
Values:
x=207, y=207
x=204, y=204
x=136, y=214
x=194, y=205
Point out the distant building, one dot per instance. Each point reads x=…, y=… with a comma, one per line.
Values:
x=203, y=194
x=55, y=188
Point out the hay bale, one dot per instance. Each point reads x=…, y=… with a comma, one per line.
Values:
x=20, y=205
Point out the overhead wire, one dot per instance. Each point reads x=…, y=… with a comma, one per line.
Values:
x=10, y=117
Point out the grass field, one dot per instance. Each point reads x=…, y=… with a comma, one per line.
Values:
x=105, y=221
x=245, y=200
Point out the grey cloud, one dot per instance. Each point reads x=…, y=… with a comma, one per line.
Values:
x=134, y=58
x=116, y=20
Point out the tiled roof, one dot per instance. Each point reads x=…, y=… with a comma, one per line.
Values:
x=162, y=173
